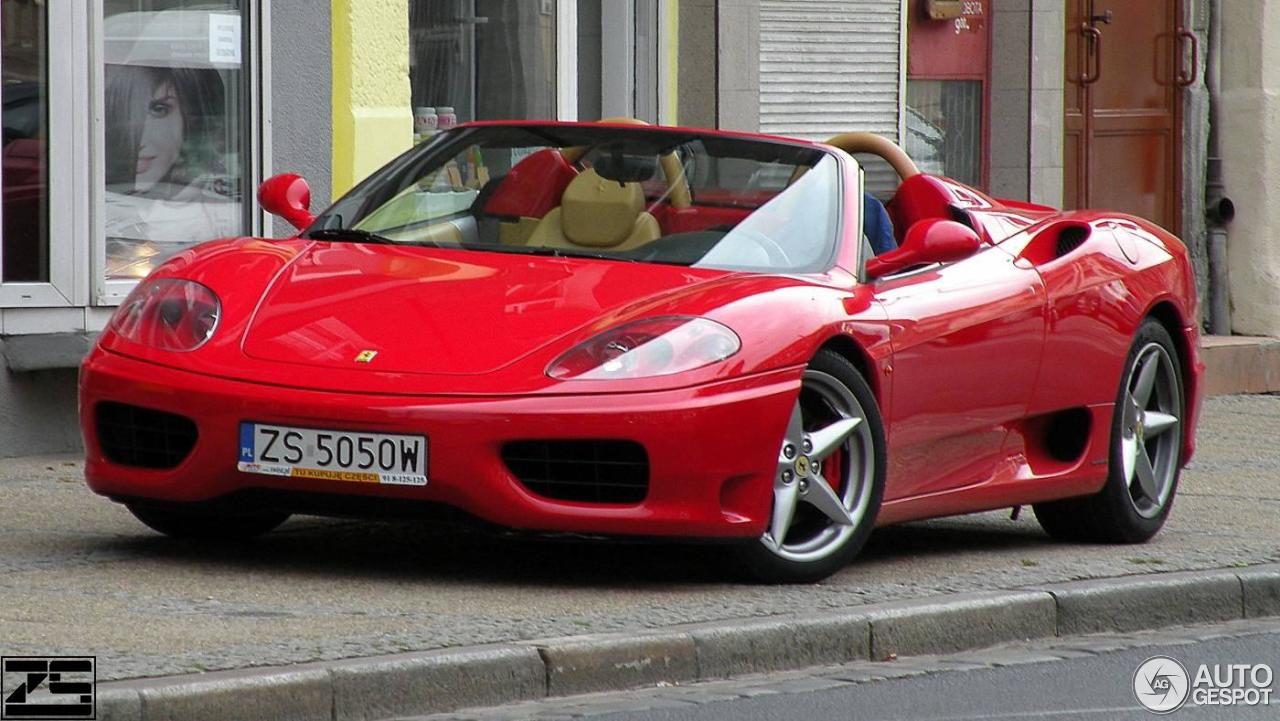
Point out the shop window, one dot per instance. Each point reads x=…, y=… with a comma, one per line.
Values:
x=617, y=52
x=175, y=126
x=944, y=128
x=24, y=168
x=948, y=70
x=482, y=60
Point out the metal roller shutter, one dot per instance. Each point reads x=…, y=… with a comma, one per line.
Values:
x=829, y=67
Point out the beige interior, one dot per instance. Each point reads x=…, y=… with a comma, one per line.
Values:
x=517, y=232
x=597, y=213
x=678, y=192
x=443, y=233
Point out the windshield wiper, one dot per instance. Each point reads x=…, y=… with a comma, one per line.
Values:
x=350, y=235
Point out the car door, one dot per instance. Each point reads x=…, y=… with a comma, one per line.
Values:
x=967, y=339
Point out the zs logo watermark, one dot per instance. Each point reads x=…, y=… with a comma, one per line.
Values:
x=58, y=687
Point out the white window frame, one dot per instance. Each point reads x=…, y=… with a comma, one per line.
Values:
x=634, y=80
x=566, y=59
x=618, y=60
x=256, y=73
x=65, y=92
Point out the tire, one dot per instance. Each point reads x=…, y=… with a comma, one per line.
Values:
x=197, y=523
x=835, y=438
x=1146, y=427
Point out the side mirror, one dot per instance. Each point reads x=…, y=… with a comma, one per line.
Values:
x=288, y=196
x=928, y=241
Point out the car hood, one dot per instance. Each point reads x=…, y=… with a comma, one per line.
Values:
x=440, y=312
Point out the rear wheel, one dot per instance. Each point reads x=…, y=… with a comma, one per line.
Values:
x=829, y=479
x=1145, y=454
x=198, y=523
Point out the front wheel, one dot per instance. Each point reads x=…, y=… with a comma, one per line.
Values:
x=1146, y=452
x=829, y=479
x=198, y=523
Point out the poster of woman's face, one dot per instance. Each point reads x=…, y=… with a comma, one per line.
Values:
x=167, y=178
x=162, y=127
x=160, y=142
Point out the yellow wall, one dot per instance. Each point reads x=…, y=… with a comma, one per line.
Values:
x=372, y=113
x=669, y=85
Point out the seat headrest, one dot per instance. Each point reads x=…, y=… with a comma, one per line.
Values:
x=598, y=212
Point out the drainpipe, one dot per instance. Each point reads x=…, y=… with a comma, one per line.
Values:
x=1218, y=207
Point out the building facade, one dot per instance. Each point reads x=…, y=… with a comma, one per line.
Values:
x=136, y=128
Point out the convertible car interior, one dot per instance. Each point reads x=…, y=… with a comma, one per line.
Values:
x=655, y=197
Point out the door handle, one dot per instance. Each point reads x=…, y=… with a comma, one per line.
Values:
x=1185, y=79
x=1094, y=36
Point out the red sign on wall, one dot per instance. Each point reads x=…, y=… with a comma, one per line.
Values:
x=951, y=48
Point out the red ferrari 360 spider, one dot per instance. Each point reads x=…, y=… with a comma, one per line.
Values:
x=617, y=329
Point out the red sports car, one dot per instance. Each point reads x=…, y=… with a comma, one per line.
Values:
x=618, y=329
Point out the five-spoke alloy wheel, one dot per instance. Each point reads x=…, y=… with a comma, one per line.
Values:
x=829, y=479
x=1146, y=451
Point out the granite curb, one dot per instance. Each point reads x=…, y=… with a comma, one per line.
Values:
x=366, y=689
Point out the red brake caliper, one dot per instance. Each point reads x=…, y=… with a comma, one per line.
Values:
x=831, y=469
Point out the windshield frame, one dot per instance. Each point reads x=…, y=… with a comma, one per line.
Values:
x=384, y=184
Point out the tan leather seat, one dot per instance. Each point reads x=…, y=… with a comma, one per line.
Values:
x=597, y=213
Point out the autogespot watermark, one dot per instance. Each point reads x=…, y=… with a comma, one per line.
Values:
x=1162, y=685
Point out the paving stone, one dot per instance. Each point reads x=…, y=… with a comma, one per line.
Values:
x=733, y=648
x=858, y=673
x=1261, y=587
x=959, y=622
x=284, y=695
x=118, y=704
x=1127, y=604
x=379, y=688
x=606, y=662
x=809, y=684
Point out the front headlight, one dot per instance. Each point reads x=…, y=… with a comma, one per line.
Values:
x=169, y=314
x=646, y=348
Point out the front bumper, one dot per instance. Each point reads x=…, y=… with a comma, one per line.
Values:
x=712, y=449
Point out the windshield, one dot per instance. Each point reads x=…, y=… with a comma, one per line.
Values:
x=622, y=193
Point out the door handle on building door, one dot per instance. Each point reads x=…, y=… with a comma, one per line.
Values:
x=1095, y=51
x=1185, y=79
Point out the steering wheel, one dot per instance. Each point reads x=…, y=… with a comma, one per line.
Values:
x=879, y=146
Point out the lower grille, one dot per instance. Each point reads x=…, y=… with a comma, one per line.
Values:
x=590, y=471
x=142, y=437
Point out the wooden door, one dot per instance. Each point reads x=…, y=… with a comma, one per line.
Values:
x=1126, y=61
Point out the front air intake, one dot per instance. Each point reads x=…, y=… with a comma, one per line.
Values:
x=142, y=437
x=588, y=471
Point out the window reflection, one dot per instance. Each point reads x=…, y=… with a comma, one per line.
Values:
x=484, y=59
x=944, y=128
x=173, y=130
x=24, y=149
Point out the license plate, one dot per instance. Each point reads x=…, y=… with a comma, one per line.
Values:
x=328, y=455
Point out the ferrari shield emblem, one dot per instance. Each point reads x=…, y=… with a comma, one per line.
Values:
x=366, y=356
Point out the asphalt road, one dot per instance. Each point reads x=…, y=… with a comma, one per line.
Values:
x=1086, y=678
x=78, y=575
